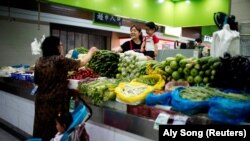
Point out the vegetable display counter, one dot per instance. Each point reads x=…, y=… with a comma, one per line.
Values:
x=114, y=116
x=138, y=126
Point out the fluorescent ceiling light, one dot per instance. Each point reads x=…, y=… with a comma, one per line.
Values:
x=135, y=5
x=160, y=1
x=175, y=0
x=187, y=1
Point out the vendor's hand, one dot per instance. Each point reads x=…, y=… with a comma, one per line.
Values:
x=142, y=50
x=155, y=54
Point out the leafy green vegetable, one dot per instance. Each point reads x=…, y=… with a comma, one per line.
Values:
x=148, y=81
x=204, y=93
x=81, y=50
x=99, y=90
x=198, y=93
x=131, y=65
x=105, y=63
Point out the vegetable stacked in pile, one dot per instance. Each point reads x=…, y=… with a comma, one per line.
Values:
x=81, y=50
x=195, y=71
x=205, y=93
x=155, y=80
x=132, y=64
x=82, y=74
x=155, y=67
x=99, y=90
x=104, y=63
x=199, y=93
x=233, y=73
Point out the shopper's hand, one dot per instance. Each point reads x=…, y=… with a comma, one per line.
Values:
x=115, y=50
x=93, y=50
x=86, y=58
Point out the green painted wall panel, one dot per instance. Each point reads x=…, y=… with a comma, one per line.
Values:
x=208, y=30
x=145, y=10
x=197, y=13
x=135, y=9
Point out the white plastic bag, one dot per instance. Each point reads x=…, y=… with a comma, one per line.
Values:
x=225, y=40
x=36, y=46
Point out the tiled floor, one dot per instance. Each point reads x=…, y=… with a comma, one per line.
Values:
x=5, y=136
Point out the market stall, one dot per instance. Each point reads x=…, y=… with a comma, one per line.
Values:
x=131, y=93
x=211, y=85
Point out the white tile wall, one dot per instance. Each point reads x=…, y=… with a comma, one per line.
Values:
x=125, y=136
x=26, y=123
x=20, y=113
x=2, y=102
x=17, y=111
x=11, y=116
x=12, y=102
x=27, y=107
x=98, y=132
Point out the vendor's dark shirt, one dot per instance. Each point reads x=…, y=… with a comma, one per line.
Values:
x=126, y=46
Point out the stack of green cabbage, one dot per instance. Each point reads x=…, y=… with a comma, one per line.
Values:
x=131, y=65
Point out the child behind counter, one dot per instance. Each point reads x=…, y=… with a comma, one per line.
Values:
x=63, y=121
x=149, y=46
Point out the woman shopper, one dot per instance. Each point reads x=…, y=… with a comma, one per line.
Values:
x=134, y=43
x=52, y=94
